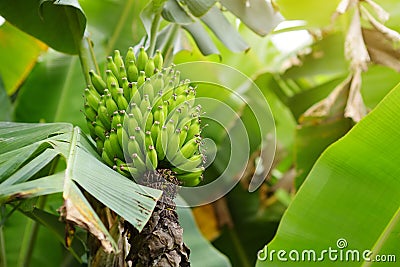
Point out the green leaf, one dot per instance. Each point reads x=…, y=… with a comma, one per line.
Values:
x=327, y=58
x=202, y=39
x=173, y=12
x=202, y=253
x=356, y=182
x=225, y=32
x=46, y=252
x=59, y=78
x=199, y=8
x=258, y=15
x=18, y=52
x=113, y=25
x=83, y=168
x=316, y=13
x=48, y=21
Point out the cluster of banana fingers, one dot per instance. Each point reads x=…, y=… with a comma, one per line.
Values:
x=143, y=118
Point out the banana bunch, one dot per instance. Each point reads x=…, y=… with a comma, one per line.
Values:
x=143, y=118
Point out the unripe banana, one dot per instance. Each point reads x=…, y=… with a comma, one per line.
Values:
x=104, y=117
x=138, y=163
x=149, y=68
x=90, y=126
x=148, y=90
x=132, y=71
x=119, y=62
x=155, y=129
x=131, y=124
x=161, y=144
x=141, y=79
x=122, y=74
x=130, y=56
x=90, y=113
x=100, y=131
x=110, y=104
x=92, y=97
x=121, y=100
x=152, y=156
x=115, y=145
x=110, y=79
x=173, y=145
x=99, y=145
x=116, y=119
x=190, y=164
x=133, y=146
x=194, y=130
x=190, y=148
x=106, y=158
x=158, y=60
x=142, y=59
x=135, y=95
x=112, y=67
x=97, y=82
x=191, y=178
x=146, y=108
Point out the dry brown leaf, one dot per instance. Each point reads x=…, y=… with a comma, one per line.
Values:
x=355, y=48
x=333, y=104
x=382, y=50
x=75, y=211
x=379, y=11
x=355, y=107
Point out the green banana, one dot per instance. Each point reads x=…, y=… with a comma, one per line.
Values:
x=133, y=146
x=115, y=145
x=103, y=115
x=142, y=59
x=119, y=62
x=110, y=78
x=149, y=67
x=132, y=71
x=130, y=56
x=90, y=113
x=97, y=82
x=148, y=109
x=112, y=67
x=158, y=60
x=92, y=98
x=191, y=178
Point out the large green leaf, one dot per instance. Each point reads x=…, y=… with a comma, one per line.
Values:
x=18, y=52
x=60, y=23
x=316, y=13
x=225, y=32
x=202, y=252
x=17, y=232
x=113, y=25
x=28, y=148
x=58, y=77
x=351, y=193
x=5, y=104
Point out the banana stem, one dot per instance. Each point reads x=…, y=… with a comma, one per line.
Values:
x=153, y=33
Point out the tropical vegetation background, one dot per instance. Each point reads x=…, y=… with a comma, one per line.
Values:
x=328, y=69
